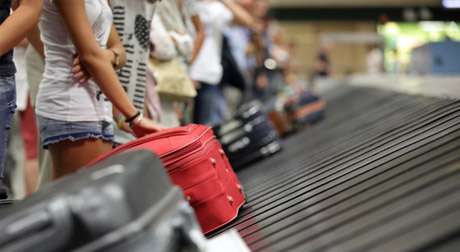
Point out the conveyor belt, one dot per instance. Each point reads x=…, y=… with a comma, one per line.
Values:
x=380, y=173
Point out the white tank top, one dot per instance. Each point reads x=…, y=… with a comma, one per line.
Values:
x=60, y=96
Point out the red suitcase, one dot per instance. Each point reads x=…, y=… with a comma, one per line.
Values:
x=197, y=163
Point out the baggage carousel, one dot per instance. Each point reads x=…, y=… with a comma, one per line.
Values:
x=380, y=173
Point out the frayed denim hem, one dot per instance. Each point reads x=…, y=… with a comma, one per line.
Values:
x=76, y=137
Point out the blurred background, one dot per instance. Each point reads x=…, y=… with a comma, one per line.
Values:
x=411, y=37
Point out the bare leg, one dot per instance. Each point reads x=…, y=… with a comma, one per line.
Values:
x=68, y=157
x=31, y=175
x=29, y=136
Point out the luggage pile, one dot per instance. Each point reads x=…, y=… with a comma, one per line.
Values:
x=125, y=203
x=249, y=136
x=197, y=163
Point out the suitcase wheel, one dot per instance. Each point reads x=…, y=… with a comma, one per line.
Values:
x=240, y=188
x=213, y=162
x=230, y=200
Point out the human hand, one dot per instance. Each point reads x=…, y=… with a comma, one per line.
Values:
x=79, y=72
x=24, y=43
x=109, y=56
x=262, y=81
x=257, y=27
x=145, y=127
x=125, y=127
x=196, y=84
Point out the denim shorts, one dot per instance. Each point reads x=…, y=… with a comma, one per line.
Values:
x=7, y=108
x=55, y=131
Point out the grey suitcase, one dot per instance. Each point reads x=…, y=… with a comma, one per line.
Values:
x=126, y=203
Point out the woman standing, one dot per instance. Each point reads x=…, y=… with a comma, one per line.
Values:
x=176, y=34
x=207, y=71
x=74, y=114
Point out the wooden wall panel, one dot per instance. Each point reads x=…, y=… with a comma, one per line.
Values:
x=344, y=57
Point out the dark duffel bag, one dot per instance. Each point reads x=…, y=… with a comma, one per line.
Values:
x=305, y=109
x=281, y=122
x=249, y=136
x=246, y=113
x=125, y=203
x=242, y=159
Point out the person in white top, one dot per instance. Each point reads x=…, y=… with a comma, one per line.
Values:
x=176, y=32
x=74, y=114
x=207, y=71
x=375, y=59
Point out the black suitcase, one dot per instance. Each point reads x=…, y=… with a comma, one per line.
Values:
x=125, y=203
x=249, y=136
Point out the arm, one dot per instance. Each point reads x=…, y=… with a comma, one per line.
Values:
x=200, y=35
x=163, y=44
x=24, y=43
x=35, y=41
x=33, y=37
x=16, y=27
x=241, y=16
x=114, y=48
x=92, y=55
x=114, y=45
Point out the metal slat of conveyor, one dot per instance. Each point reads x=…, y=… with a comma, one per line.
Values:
x=447, y=244
x=339, y=141
x=385, y=107
x=354, y=99
x=297, y=208
x=324, y=180
x=278, y=182
x=294, y=178
x=371, y=135
x=415, y=238
x=331, y=131
x=383, y=179
x=412, y=174
x=355, y=199
x=327, y=154
x=429, y=202
x=297, y=231
x=356, y=157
